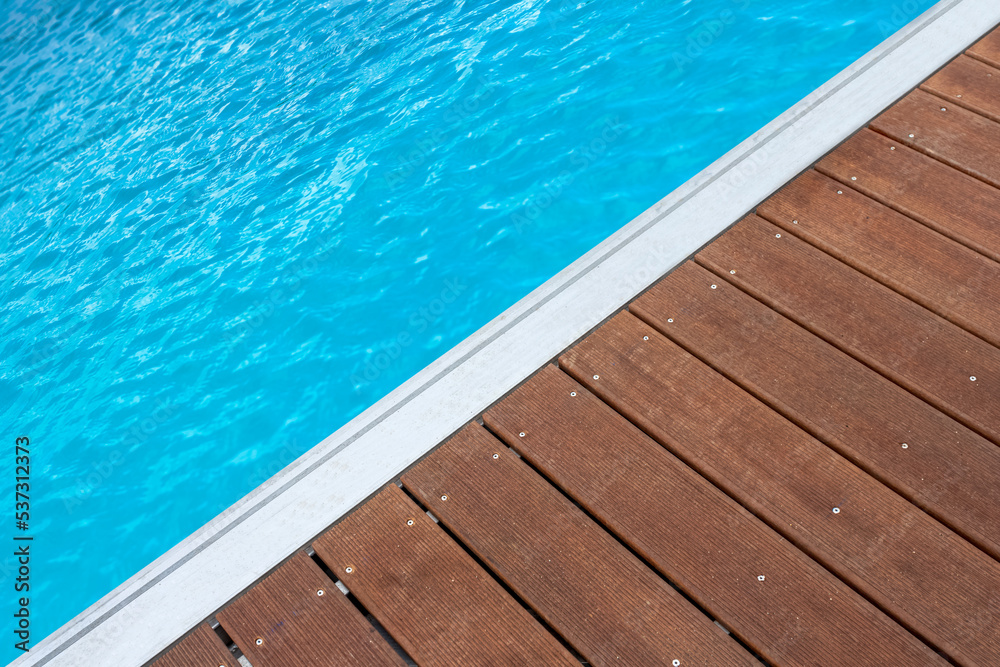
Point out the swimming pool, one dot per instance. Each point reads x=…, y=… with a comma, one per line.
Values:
x=232, y=228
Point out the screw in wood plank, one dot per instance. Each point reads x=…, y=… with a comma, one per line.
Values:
x=911, y=136
x=732, y=272
x=676, y=663
x=777, y=236
x=854, y=178
x=840, y=192
x=320, y=592
x=258, y=641
x=973, y=378
x=714, y=286
x=892, y=148
x=444, y=497
x=670, y=320
x=496, y=456
x=760, y=577
x=348, y=569
x=905, y=446
x=521, y=434
x=795, y=222
x=836, y=510
x=409, y=522
x=597, y=377
x=572, y=393
x=957, y=95
x=944, y=108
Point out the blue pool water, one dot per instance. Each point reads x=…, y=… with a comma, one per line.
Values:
x=229, y=227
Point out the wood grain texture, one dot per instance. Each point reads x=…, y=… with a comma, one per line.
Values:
x=970, y=83
x=201, y=648
x=987, y=49
x=946, y=469
x=931, y=357
x=605, y=602
x=428, y=593
x=701, y=539
x=947, y=132
x=942, y=275
x=298, y=627
x=955, y=204
x=934, y=582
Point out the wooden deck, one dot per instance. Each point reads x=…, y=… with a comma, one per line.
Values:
x=786, y=451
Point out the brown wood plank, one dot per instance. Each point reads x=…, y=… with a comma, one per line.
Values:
x=605, y=602
x=947, y=132
x=946, y=469
x=988, y=48
x=942, y=275
x=970, y=83
x=955, y=204
x=931, y=357
x=701, y=539
x=921, y=573
x=428, y=593
x=297, y=626
x=201, y=648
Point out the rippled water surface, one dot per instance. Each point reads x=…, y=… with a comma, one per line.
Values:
x=229, y=227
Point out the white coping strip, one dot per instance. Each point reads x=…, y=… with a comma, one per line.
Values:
x=189, y=583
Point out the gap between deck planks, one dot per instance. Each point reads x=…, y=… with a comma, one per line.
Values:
x=200, y=648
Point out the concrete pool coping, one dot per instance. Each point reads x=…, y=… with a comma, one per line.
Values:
x=190, y=582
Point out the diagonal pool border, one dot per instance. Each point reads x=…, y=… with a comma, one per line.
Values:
x=154, y=608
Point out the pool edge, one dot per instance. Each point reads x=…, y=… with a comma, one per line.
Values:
x=158, y=605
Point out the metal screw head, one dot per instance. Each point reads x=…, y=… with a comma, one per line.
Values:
x=854, y=178
x=670, y=319
x=795, y=222
x=840, y=192
x=836, y=510
x=320, y=592
x=597, y=377
x=645, y=337
x=258, y=641
x=714, y=286
x=572, y=393
x=760, y=577
x=732, y=272
x=957, y=95
x=905, y=446
x=777, y=236
x=496, y=456
x=676, y=663
x=911, y=136
x=409, y=522
x=348, y=569
x=972, y=377
x=444, y=497
x=892, y=148
x=521, y=434
x=944, y=108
